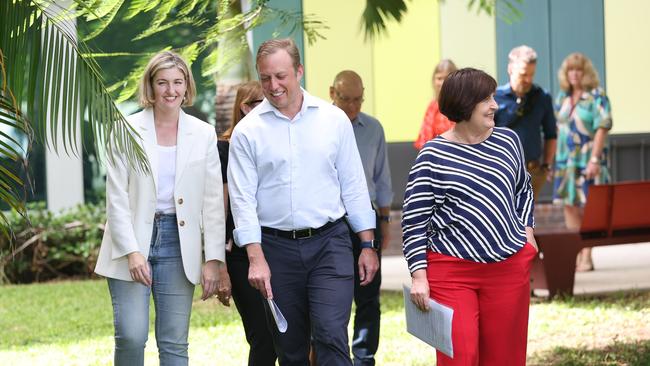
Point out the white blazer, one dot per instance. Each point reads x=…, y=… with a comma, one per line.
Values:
x=198, y=197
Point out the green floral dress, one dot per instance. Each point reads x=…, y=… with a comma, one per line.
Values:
x=577, y=126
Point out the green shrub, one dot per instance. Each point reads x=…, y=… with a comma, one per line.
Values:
x=52, y=245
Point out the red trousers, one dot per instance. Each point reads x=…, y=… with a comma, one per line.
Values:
x=490, y=302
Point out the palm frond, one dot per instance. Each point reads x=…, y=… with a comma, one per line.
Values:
x=11, y=153
x=162, y=12
x=162, y=27
x=138, y=6
x=309, y=23
x=378, y=12
x=104, y=16
x=48, y=85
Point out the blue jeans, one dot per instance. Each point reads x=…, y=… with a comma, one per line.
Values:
x=172, y=296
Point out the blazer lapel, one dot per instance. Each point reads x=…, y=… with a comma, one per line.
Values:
x=148, y=134
x=184, y=144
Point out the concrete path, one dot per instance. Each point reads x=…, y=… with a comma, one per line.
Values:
x=617, y=267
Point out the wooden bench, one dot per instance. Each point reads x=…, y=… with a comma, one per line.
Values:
x=614, y=214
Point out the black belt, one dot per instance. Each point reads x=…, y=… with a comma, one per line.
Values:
x=300, y=233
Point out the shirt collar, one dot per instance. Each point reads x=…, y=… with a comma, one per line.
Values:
x=359, y=120
x=508, y=88
x=308, y=101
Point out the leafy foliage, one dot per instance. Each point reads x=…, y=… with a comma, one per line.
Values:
x=52, y=246
x=50, y=92
x=378, y=12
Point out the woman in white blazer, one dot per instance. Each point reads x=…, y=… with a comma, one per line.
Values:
x=163, y=225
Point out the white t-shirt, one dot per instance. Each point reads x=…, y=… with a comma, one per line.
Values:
x=166, y=178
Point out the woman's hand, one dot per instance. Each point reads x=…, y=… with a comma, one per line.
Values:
x=530, y=237
x=139, y=268
x=224, y=286
x=209, y=278
x=420, y=289
x=592, y=170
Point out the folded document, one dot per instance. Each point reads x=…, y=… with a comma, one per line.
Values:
x=432, y=327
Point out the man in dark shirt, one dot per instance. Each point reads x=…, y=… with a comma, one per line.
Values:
x=528, y=110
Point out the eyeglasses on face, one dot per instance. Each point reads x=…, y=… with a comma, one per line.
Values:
x=348, y=100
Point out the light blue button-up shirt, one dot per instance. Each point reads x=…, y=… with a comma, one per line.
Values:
x=372, y=148
x=295, y=174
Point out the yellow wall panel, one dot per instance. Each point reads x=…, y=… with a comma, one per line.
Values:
x=403, y=62
x=468, y=38
x=627, y=51
x=343, y=49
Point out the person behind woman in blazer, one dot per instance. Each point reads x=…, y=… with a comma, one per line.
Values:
x=468, y=226
x=248, y=300
x=157, y=222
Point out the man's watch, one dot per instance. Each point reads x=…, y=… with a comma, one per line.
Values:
x=385, y=218
x=370, y=244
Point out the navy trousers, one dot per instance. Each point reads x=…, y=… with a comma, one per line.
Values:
x=312, y=281
x=365, y=340
x=250, y=305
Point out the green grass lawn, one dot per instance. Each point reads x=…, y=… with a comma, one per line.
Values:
x=70, y=323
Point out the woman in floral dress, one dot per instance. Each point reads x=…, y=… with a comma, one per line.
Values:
x=583, y=120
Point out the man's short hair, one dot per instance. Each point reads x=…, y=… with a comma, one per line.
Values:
x=522, y=54
x=462, y=91
x=272, y=45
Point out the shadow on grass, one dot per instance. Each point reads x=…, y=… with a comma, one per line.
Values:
x=628, y=300
x=618, y=353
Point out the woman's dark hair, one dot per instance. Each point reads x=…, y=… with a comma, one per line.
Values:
x=462, y=91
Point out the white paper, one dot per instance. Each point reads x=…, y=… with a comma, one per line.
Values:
x=432, y=327
x=280, y=321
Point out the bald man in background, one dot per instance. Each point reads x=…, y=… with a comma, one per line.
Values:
x=347, y=93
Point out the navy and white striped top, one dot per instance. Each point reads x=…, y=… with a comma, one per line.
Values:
x=467, y=201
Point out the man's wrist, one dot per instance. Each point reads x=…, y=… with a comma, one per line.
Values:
x=369, y=244
x=254, y=251
x=385, y=218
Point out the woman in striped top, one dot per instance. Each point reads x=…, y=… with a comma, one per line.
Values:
x=468, y=226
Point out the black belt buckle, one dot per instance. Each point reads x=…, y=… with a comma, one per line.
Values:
x=302, y=234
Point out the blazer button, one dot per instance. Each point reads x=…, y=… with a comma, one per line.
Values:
x=180, y=201
x=181, y=223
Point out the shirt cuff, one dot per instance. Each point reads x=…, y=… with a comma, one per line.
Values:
x=363, y=221
x=247, y=235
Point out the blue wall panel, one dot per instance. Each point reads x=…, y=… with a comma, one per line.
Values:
x=578, y=26
x=554, y=28
x=275, y=29
x=531, y=29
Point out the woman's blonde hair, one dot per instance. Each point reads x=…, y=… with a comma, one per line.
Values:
x=446, y=66
x=578, y=61
x=162, y=61
x=246, y=93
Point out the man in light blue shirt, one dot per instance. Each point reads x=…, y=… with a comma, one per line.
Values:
x=347, y=93
x=294, y=172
